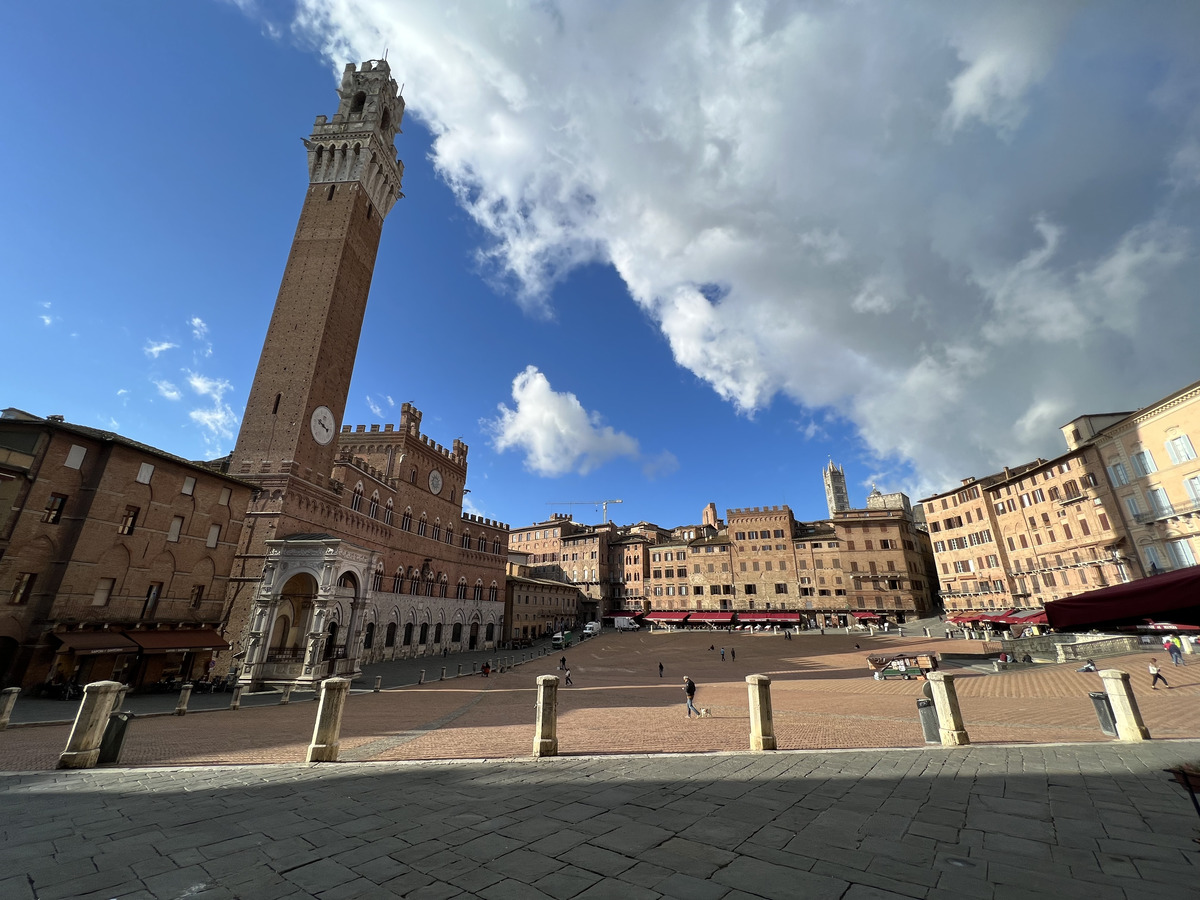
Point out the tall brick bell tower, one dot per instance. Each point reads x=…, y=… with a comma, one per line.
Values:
x=299, y=393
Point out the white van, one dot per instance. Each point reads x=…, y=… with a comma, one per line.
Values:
x=591, y=628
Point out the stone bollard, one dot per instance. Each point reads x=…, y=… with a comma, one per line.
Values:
x=328, y=729
x=235, y=702
x=1188, y=646
x=378, y=683
x=83, y=746
x=460, y=670
x=185, y=694
x=945, y=699
x=421, y=680
x=1130, y=726
x=545, y=735
x=871, y=630
x=762, y=723
x=474, y=668
x=286, y=697
x=443, y=678
x=927, y=634
x=8, y=699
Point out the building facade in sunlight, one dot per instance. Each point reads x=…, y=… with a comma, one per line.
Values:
x=1122, y=503
x=357, y=547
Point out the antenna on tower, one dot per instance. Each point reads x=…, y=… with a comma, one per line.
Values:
x=385, y=50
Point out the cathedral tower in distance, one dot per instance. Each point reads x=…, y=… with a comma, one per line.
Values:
x=835, y=489
x=298, y=397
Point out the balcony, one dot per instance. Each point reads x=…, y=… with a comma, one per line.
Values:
x=1168, y=512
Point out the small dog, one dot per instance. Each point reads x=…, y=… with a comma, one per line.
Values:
x=705, y=712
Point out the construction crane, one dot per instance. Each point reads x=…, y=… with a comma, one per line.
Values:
x=603, y=503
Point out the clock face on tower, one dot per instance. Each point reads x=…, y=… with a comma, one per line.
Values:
x=435, y=481
x=322, y=425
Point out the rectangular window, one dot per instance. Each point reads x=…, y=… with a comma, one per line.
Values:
x=189, y=486
x=214, y=535
x=176, y=527
x=1084, y=527
x=1181, y=553
x=75, y=457
x=104, y=589
x=128, y=520
x=1180, y=449
x=1039, y=496
x=750, y=589
x=1159, y=502
x=223, y=500
x=23, y=587
x=1143, y=463
x=197, y=595
x=781, y=588
x=1118, y=474
x=145, y=473
x=54, y=509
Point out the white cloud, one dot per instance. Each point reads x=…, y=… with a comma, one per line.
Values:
x=218, y=420
x=390, y=401
x=199, y=328
x=208, y=387
x=154, y=349
x=47, y=320
x=555, y=432
x=930, y=217
x=375, y=408
x=168, y=390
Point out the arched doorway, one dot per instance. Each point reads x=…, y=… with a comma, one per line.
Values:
x=369, y=636
x=408, y=634
x=437, y=633
x=389, y=636
x=424, y=639
x=473, y=641
x=331, y=641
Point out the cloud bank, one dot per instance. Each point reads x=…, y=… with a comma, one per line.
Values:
x=953, y=225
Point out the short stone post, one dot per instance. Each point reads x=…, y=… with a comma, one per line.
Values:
x=871, y=630
x=443, y=678
x=185, y=694
x=421, y=680
x=286, y=697
x=927, y=634
x=1187, y=645
x=235, y=702
x=8, y=699
x=474, y=667
x=762, y=723
x=378, y=683
x=83, y=745
x=1130, y=726
x=327, y=731
x=945, y=699
x=460, y=670
x=545, y=735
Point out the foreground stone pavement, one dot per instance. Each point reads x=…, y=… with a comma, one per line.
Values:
x=1094, y=821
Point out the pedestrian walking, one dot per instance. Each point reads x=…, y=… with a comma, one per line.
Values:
x=732, y=654
x=722, y=654
x=689, y=690
x=569, y=681
x=1175, y=649
x=660, y=670
x=1155, y=675
x=562, y=663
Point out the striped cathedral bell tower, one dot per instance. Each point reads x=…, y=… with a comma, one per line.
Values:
x=299, y=392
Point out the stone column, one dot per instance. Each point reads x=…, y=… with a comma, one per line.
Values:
x=1130, y=726
x=185, y=694
x=328, y=729
x=378, y=683
x=8, y=699
x=949, y=716
x=762, y=723
x=236, y=701
x=545, y=735
x=83, y=745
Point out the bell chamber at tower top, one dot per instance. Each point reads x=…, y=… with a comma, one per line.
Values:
x=358, y=145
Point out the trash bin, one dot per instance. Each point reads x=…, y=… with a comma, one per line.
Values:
x=930, y=724
x=114, y=738
x=1104, y=712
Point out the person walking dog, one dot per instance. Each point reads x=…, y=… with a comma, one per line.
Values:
x=689, y=689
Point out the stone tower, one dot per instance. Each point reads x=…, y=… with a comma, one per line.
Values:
x=299, y=392
x=835, y=489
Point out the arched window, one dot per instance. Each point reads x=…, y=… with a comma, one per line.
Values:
x=437, y=633
x=421, y=526
x=466, y=540
x=385, y=120
x=491, y=632
x=406, y=520
x=373, y=511
x=478, y=595
x=450, y=535
x=412, y=476
x=369, y=636
x=443, y=585
x=414, y=581
x=429, y=585
x=398, y=581
x=424, y=636
x=492, y=592
x=437, y=530
x=496, y=547
x=356, y=500
x=357, y=104
x=482, y=543
x=389, y=636
x=377, y=580
x=387, y=513
x=456, y=633
x=460, y=592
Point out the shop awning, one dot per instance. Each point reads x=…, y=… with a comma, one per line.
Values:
x=711, y=617
x=865, y=615
x=665, y=616
x=168, y=641
x=1023, y=617
x=93, y=643
x=1175, y=595
x=753, y=618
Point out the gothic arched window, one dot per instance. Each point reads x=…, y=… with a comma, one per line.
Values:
x=374, y=508
x=356, y=500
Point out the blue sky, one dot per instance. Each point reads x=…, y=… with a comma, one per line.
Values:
x=667, y=253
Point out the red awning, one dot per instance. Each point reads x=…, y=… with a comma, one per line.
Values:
x=184, y=639
x=711, y=617
x=665, y=616
x=92, y=643
x=865, y=615
x=1175, y=595
x=768, y=616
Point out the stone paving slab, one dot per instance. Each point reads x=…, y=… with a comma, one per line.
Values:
x=1100, y=821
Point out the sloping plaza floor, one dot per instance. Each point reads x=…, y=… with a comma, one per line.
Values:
x=643, y=803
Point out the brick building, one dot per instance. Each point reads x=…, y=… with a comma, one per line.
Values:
x=537, y=607
x=115, y=556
